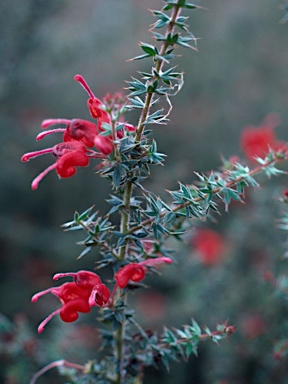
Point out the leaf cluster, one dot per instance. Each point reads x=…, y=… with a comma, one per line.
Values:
x=162, y=82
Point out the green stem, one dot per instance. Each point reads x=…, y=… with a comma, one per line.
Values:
x=125, y=213
x=120, y=337
x=125, y=217
x=122, y=295
x=149, y=96
x=114, y=135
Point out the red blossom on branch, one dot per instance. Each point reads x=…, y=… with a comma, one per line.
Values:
x=257, y=141
x=69, y=156
x=95, y=106
x=209, y=246
x=104, y=144
x=79, y=136
x=73, y=298
x=85, y=291
x=137, y=271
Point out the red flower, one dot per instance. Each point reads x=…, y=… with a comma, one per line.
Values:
x=99, y=293
x=257, y=141
x=82, y=130
x=137, y=271
x=74, y=299
x=80, y=295
x=252, y=325
x=209, y=246
x=76, y=129
x=78, y=137
x=104, y=144
x=95, y=106
x=285, y=194
x=69, y=155
x=134, y=271
x=66, y=164
x=97, y=111
x=84, y=279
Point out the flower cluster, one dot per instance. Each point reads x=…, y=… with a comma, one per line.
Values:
x=87, y=289
x=257, y=141
x=79, y=136
x=80, y=295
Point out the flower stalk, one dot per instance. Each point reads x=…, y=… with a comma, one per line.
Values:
x=214, y=191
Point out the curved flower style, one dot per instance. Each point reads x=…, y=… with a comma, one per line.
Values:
x=82, y=278
x=137, y=271
x=257, y=141
x=97, y=110
x=95, y=106
x=80, y=295
x=79, y=136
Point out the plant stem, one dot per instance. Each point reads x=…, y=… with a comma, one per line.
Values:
x=120, y=353
x=125, y=213
x=122, y=295
x=114, y=135
x=149, y=96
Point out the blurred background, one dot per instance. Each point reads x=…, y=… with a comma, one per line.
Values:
x=237, y=77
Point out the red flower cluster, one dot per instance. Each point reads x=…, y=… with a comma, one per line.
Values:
x=87, y=289
x=209, y=246
x=80, y=295
x=257, y=141
x=79, y=136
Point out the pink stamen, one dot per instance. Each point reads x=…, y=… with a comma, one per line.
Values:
x=36, y=181
x=59, y=363
x=58, y=276
x=92, y=301
x=155, y=262
x=45, y=321
x=40, y=294
x=31, y=155
x=53, y=290
x=46, y=133
x=99, y=296
x=95, y=155
x=46, y=123
x=81, y=80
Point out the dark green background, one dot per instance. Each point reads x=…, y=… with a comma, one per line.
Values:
x=237, y=77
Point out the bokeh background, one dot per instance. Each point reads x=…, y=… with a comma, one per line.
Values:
x=236, y=78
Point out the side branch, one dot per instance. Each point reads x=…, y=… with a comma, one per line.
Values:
x=246, y=177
